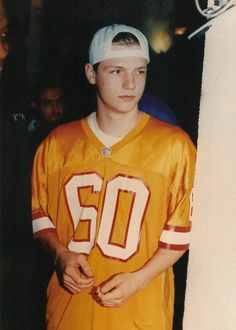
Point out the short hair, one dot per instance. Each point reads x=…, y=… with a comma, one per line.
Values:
x=122, y=39
x=125, y=39
x=41, y=87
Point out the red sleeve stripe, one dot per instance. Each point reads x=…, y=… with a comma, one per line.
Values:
x=38, y=214
x=41, y=224
x=175, y=247
x=174, y=237
x=43, y=232
x=177, y=228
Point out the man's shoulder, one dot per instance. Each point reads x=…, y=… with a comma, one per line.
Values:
x=64, y=138
x=159, y=127
x=67, y=130
x=167, y=140
x=69, y=126
x=167, y=136
x=66, y=135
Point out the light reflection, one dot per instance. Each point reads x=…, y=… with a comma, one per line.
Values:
x=180, y=30
x=158, y=35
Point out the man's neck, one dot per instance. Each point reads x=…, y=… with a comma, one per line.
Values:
x=117, y=124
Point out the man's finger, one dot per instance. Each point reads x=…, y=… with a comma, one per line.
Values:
x=84, y=265
x=72, y=288
x=113, y=295
x=70, y=284
x=109, y=285
x=75, y=277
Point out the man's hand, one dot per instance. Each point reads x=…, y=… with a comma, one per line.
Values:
x=117, y=290
x=76, y=274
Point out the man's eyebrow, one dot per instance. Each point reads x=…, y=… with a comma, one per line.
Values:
x=113, y=67
x=144, y=67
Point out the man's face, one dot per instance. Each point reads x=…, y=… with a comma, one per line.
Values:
x=3, y=41
x=120, y=83
x=50, y=104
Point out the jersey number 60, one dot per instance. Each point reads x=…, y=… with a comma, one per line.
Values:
x=111, y=202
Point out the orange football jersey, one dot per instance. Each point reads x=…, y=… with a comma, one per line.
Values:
x=117, y=205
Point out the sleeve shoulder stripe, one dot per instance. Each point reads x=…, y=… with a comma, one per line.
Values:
x=42, y=224
x=177, y=229
x=175, y=247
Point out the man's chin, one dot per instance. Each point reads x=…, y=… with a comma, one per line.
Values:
x=55, y=120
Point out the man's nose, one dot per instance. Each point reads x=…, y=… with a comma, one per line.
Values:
x=129, y=81
x=56, y=106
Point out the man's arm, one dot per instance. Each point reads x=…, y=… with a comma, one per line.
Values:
x=117, y=290
x=76, y=273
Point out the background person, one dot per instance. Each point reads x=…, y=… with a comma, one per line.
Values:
x=4, y=47
x=16, y=241
x=48, y=111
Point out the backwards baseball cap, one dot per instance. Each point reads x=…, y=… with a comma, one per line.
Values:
x=101, y=45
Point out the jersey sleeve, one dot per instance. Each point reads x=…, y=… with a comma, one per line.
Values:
x=41, y=221
x=176, y=232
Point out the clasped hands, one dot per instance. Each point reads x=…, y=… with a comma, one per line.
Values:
x=77, y=276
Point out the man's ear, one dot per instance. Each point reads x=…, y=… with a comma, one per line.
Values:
x=90, y=73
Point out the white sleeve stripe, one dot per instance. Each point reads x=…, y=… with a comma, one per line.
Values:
x=41, y=224
x=172, y=237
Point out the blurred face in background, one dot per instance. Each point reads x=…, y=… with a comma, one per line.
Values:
x=3, y=36
x=51, y=105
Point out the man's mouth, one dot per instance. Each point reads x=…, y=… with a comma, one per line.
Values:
x=127, y=98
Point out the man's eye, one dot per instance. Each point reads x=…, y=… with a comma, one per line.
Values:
x=141, y=72
x=115, y=71
x=45, y=102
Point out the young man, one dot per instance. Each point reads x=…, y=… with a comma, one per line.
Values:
x=111, y=199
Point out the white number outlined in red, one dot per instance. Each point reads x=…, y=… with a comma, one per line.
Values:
x=121, y=183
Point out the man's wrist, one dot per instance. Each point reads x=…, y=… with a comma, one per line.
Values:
x=141, y=278
x=58, y=253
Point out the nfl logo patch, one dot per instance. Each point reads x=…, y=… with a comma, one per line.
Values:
x=106, y=152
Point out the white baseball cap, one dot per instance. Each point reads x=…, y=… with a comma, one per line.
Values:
x=101, y=45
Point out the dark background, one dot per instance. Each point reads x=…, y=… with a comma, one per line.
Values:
x=56, y=48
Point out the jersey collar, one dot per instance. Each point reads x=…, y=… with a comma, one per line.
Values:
x=130, y=136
